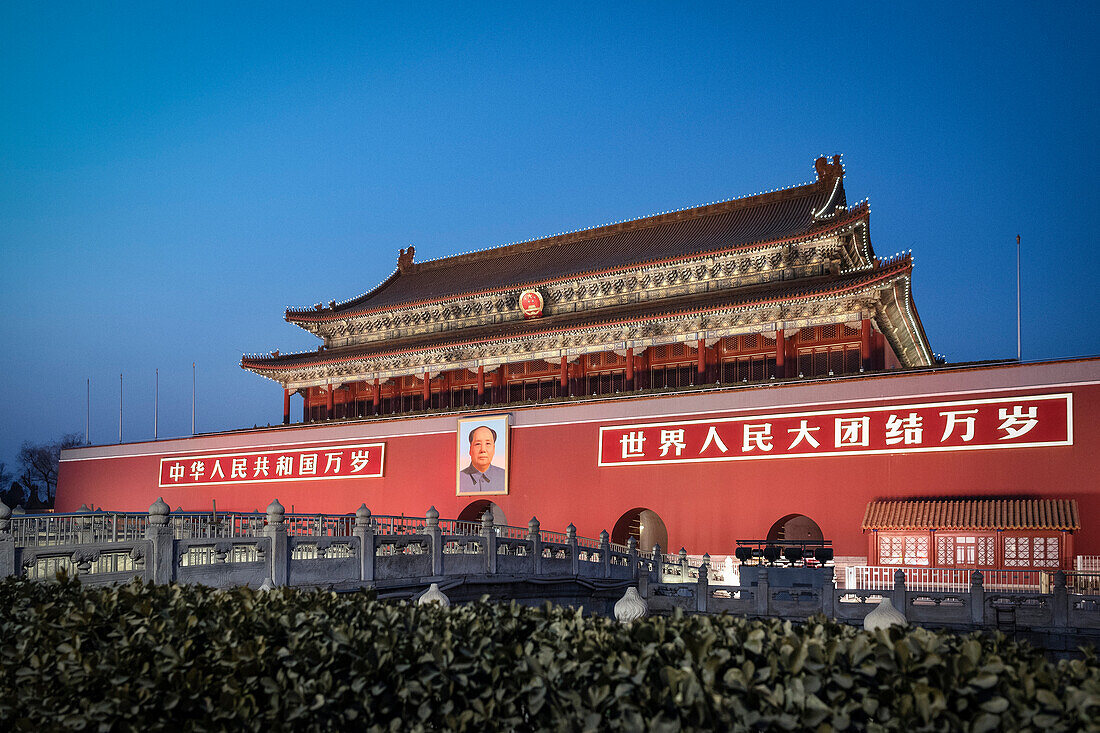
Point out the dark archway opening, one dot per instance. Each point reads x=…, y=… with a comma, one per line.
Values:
x=644, y=525
x=795, y=528
x=475, y=509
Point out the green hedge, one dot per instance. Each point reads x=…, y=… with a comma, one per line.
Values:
x=153, y=657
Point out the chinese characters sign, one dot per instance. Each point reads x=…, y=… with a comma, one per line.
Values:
x=1039, y=420
x=292, y=464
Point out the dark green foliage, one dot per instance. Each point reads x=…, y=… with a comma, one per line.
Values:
x=189, y=658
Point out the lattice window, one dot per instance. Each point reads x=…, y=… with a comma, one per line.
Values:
x=828, y=332
x=805, y=365
x=821, y=363
x=516, y=368
x=916, y=551
x=757, y=370
x=945, y=551
x=1017, y=552
x=836, y=361
x=849, y=331
x=1045, y=552
x=750, y=341
x=891, y=550
x=595, y=360
x=806, y=334
x=987, y=555
x=851, y=361
x=677, y=350
x=660, y=352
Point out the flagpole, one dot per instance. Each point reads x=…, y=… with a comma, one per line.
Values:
x=192, y=398
x=1019, y=343
x=88, y=413
x=156, y=401
x=120, y=408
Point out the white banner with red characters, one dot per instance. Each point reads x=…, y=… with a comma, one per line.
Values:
x=287, y=464
x=988, y=424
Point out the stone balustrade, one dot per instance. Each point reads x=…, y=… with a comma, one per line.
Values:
x=401, y=556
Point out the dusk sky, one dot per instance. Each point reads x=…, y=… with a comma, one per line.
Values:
x=173, y=177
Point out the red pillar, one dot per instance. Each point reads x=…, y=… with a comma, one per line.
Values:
x=701, y=365
x=376, y=397
x=630, y=370
x=563, y=377
x=481, y=385
x=426, y=390
x=879, y=350
x=331, y=402
x=286, y=407
x=865, y=344
x=780, y=352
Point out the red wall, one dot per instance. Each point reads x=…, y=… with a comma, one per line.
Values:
x=705, y=506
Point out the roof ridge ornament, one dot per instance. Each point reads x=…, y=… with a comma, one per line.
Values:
x=825, y=169
x=405, y=262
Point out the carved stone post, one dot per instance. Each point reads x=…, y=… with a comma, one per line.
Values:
x=571, y=539
x=684, y=567
x=7, y=543
x=279, y=551
x=702, y=587
x=431, y=528
x=162, y=565
x=977, y=598
x=760, y=594
x=364, y=530
x=828, y=592
x=535, y=539
x=632, y=556
x=605, y=553
x=899, y=593
x=1061, y=601
x=658, y=563
x=490, y=534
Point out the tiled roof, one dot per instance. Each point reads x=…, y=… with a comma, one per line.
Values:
x=1041, y=514
x=669, y=307
x=779, y=215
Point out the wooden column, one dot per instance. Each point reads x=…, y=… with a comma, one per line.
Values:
x=331, y=402
x=563, y=377
x=376, y=397
x=630, y=370
x=481, y=385
x=780, y=353
x=701, y=363
x=286, y=407
x=865, y=344
x=426, y=390
x=879, y=350
x=305, y=405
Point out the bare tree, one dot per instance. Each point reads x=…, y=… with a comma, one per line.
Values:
x=39, y=462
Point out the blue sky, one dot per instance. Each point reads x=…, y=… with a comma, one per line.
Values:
x=171, y=178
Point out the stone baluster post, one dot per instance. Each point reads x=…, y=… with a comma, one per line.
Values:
x=435, y=535
x=658, y=563
x=684, y=566
x=279, y=549
x=488, y=531
x=702, y=586
x=761, y=594
x=162, y=566
x=571, y=539
x=977, y=598
x=364, y=530
x=632, y=556
x=1061, y=601
x=535, y=538
x=7, y=543
x=605, y=553
x=899, y=594
x=828, y=591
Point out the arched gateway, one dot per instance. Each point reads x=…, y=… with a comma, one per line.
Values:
x=644, y=525
x=795, y=528
x=476, y=509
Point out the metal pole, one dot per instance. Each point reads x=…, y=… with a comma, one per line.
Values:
x=192, y=398
x=120, y=408
x=88, y=413
x=156, y=401
x=1019, y=349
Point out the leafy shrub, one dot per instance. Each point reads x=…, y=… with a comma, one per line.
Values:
x=170, y=657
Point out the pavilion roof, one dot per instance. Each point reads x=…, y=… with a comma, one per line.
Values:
x=775, y=216
x=973, y=514
x=766, y=293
